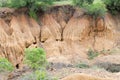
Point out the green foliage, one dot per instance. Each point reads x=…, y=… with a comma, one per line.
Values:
x=42, y=75
x=82, y=65
x=63, y=2
x=32, y=5
x=27, y=3
x=3, y=3
x=96, y=9
x=113, y=5
x=92, y=54
x=35, y=58
x=5, y=65
x=80, y=3
x=95, y=5
x=38, y=75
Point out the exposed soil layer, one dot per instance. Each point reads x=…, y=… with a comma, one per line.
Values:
x=64, y=32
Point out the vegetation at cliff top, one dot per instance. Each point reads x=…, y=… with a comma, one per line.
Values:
x=112, y=5
x=93, y=7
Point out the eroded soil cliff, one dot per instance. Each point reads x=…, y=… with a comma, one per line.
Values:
x=65, y=33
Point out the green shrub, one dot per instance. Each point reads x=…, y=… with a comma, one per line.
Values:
x=80, y=3
x=27, y=3
x=42, y=75
x=82, y=65
x=3, y=3
x=37, y=75
x=35, y=58
x=32, y=5
x=92, y=54
x=96, y=9
x=5, y=65
x=113, y=5
x=63, y=2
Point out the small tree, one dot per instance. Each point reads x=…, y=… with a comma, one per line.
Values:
x=35, y=58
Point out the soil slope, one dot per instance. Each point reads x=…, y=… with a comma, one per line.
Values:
x=65, y=33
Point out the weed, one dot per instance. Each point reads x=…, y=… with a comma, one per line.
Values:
x=5, y=65
x=82, y=65
x=92, y=54
x=37, y=75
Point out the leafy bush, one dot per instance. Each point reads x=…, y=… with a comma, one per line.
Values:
x=3, y=3
x=94, y=7
x=5, y=65
x=42, y=75
x=27, y=3
x=80, y=3
x=32, y=5
x=97, y=9
x=82, y=65
x=37, y=75
x=113, y=5
x=35, y=58
x=63, y=2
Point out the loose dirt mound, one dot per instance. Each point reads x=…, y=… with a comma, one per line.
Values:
x=81, y=77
